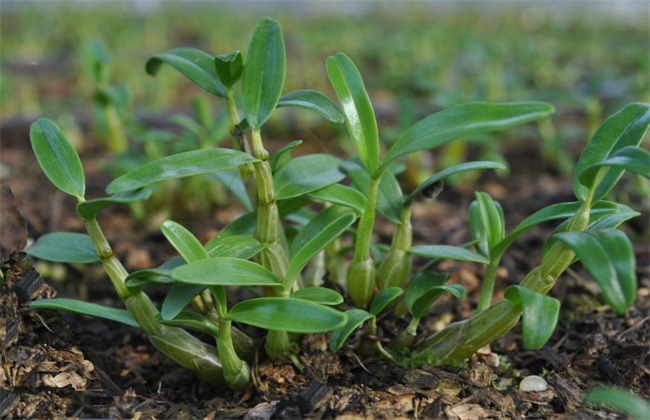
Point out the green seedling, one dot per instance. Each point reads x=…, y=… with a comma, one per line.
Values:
x=301, y=209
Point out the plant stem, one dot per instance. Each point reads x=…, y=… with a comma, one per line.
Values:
x=396, y=267
x=236, y=372
x=361, y=273
x=487, y=288
x=177, y=344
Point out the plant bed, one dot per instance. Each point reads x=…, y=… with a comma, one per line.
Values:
x=127, y=377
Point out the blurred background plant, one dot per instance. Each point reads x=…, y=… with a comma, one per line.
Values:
x=586, y=58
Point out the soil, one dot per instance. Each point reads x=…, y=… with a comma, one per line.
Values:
x=58, y=366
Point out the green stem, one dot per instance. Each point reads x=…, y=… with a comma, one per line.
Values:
x=236, y=372
x=361, y=273
x=396, y=267
x=177, y=344
x=117, y=142
x=487, y=288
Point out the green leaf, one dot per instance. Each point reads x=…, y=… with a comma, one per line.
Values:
x=264, y=72
x=389, y=196
x=315, y=236
x=463, y=121
x=95, y=60
x=487, y=222
x=425, y=288
x=192, y=63
x=57, y=158
x=306, y=174
x=629, y=158
x=609, y=257
x=614, y=220
x=85, y=308
x=342, y=195
x=452, y=171
x=356, y=317
x=88, y=209
x=183, y=241
x=238, y=246
x=229, y=67
x=64, y=247
x=243, y=225
x=191, y=321
x=625, y=128
x=287, y=314
x=313, y=101
x=179, y=296
x=620, y=400
x=195, y=162
x=552, y=212
x=158, y=275
x=282, y=156
x=384, y=298
x=321, y=295
x=448, y=252
x=225, y=271
x=359, y=115
x=231, y=179
x=539, y=315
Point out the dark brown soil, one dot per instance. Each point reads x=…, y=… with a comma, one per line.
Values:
x=56, y=366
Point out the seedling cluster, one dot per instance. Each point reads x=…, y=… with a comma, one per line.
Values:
x=302, y=208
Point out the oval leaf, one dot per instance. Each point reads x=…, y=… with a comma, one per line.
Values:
x=64, y=247
x=183, y=241
x=452, y=171
x=179, y=296
x=356, y=317
x=462, y=121
x=287, y=314
x=425, y=288
x=341, y=195
x=57, y=158
x=316, y=235
x=193, y=64
x=85, y=308
x=448, y=252
x=225, y=271
x=264, y=72
x=282, y=156
x=609, y=257
x=313, y=101
x=229, y=67
x=359, y=115
x=384, y=298
x=321, y=295
x=88, y=209
x=539, y=315
x=306, y=174
x=625, y=128
x=190, y=163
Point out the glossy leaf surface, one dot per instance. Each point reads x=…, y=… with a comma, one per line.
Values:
x=238, y=246
x=321, y=295
x=357, y=109
x=355, y=317
x=57, y=158
x=181, y=165
x=456, y=169
x=539, y=315
x=229, y=67
x=64, y=247
x=282, y=156
x=448, y=252
x=383, y=299
x=183, y=241
x=629, y=158
x=316, y=235
x=609, y=257
x=225, y=271
x=287, y=314
x=264, y=72
x=425, y=288
x=178, y=297
x=313, y=101
x=342, y=195
x=85, y=308
x=625, y=128
x=157, y=275
x=305, y=174
x=462, y=121
x=193, y=64
x=88, y=209
x=191, y=321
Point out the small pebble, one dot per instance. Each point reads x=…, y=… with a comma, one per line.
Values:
x=533, y=383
